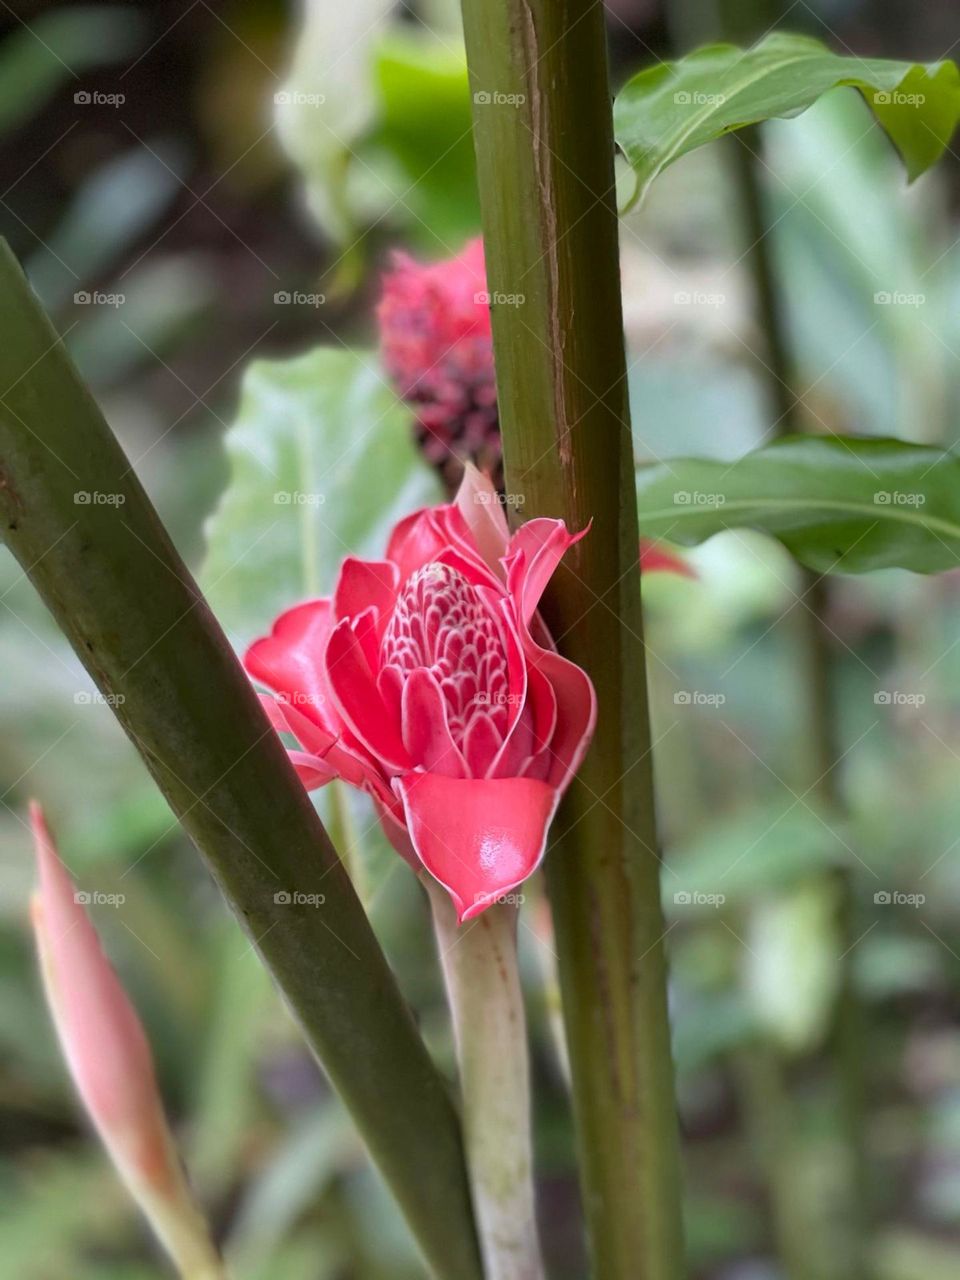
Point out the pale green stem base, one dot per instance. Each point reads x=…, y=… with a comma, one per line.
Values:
x=479, y=962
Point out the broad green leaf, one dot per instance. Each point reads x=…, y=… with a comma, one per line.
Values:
x=673, y=108
x=425, y=126
x=328, y=101
x=838, y=503
x=322, y=465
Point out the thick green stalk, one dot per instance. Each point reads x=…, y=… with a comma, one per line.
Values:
x=77, y=519
x=544, y=143
x=479, y=961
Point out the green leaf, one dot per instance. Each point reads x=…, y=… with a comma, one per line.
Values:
x=327, y=102
x=673, y=108
x=425, y=127
x=322, y=465
x=838, y=503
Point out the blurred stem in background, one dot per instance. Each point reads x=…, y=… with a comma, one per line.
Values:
x=812, y=632
x=766, y=1093
x=543, y=134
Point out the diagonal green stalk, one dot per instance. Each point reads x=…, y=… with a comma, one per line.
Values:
x=481, y=973
x=113, y=580
x=544, y=144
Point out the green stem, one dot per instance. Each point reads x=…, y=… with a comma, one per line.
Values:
x=480, y=969
x=543, y=133
x=111, y=577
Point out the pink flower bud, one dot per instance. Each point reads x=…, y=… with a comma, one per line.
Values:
x=437, y=347
x=436, y=341
x=110, y=1061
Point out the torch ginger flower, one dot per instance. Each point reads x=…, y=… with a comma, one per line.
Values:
x=429, y=680
x=437, y=347
x=111, y=1064
x=436, y=342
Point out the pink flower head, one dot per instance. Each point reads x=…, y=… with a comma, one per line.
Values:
x=109, y=1058
x=436, y=340
x=437, y=347
x=429, y=680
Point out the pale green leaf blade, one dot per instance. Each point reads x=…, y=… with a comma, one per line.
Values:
x=322, y=466
x=668, y=110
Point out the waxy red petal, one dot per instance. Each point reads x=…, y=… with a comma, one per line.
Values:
x=355, y=694
x=426, y=734
x=479, y=837
x=289, y=659
x=656, y=557
x=535, y=551
x=365, y=583
x=479, y=504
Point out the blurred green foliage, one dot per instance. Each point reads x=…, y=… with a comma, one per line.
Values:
x=752, y=975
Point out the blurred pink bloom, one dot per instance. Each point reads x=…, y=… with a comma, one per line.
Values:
x=430, y=681
x=436, y=341
x=437, y=347
x=110, y=1061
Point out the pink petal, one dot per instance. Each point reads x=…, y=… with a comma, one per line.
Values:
x=415, y=541
x=357, y=699
x=426, y=734
x=656, y=557
x=338, y=758
x=285, y=718
x=576, y=713
x=480, y=838
x=481, y=744
x=290, y=659
x=535, y=551
x=479, y=504
x=311, y=770
x=365, y=583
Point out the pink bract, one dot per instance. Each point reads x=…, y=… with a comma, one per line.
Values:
x=429, y=680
